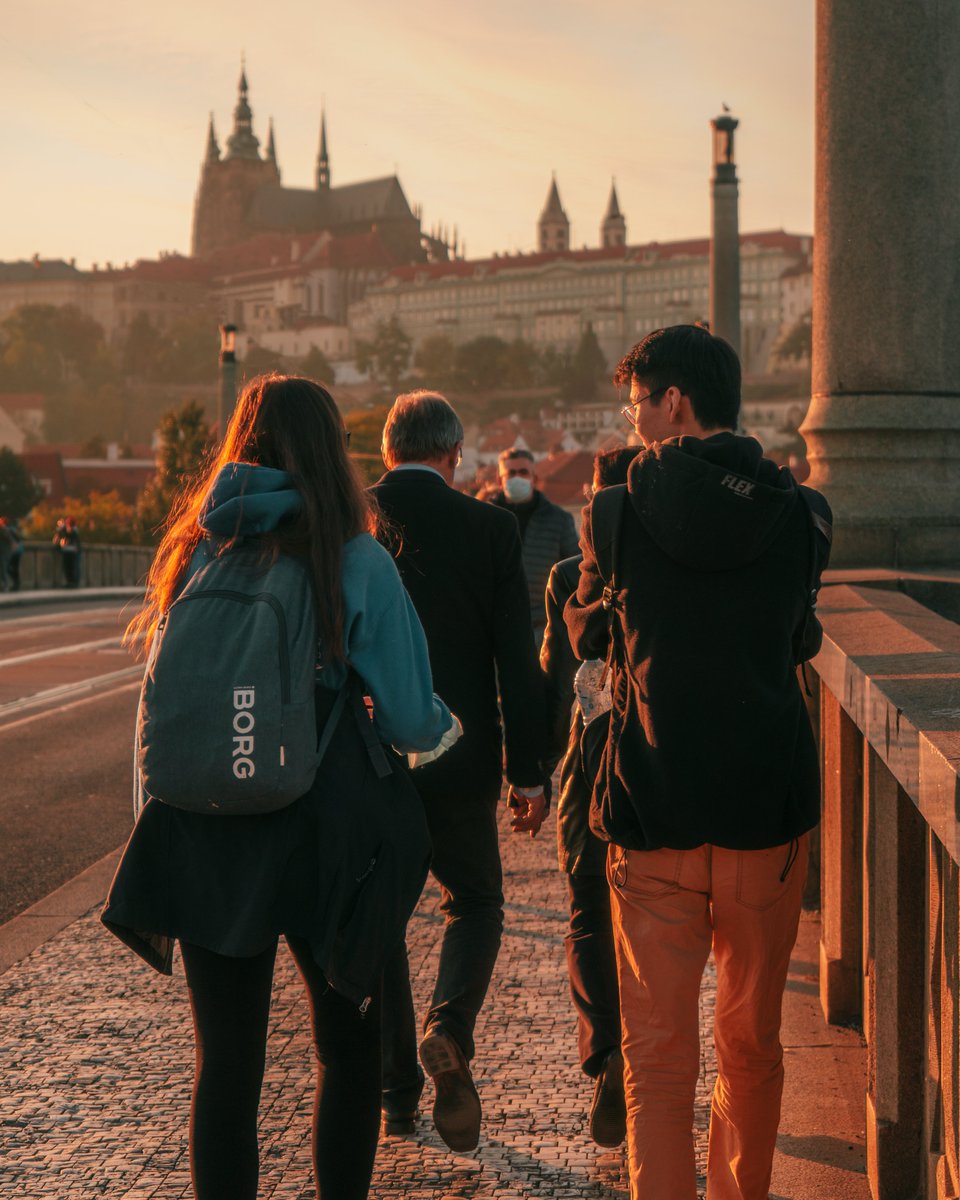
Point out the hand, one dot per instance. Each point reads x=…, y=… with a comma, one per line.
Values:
x=419, y=758
x=528, y=811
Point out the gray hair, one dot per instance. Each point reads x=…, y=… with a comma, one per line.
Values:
x=421, y=426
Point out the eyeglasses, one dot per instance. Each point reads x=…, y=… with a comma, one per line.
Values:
x=627, y=410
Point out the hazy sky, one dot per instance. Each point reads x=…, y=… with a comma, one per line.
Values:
x=105, y=106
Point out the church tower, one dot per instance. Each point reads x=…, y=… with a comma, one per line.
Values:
x=323, y=159
x=228, y=183
x=553, y=227
x=613, y=229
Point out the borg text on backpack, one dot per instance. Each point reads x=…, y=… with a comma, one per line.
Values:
x=228, y=714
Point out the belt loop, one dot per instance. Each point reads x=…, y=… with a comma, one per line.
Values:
x=620, y=870
x=792, y=854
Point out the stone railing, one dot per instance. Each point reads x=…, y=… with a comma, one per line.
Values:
x=100, y=566
x=890, y=883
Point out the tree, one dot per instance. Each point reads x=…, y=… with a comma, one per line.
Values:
x=797, y=342
x=435, y=359
x=588, y=368
x=46, y=348
x=480, y=363
x=259, y=361
x=184, y=441
x=19, y=492
x=317, y=366
x=388, y=355
x=366, y=432
x=102, y=518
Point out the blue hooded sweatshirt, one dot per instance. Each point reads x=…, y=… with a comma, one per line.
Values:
x=383, y=638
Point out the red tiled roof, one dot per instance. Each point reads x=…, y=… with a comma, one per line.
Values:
x=277, y=255
x=775, y=239
x=12, y=402
x=174, y=268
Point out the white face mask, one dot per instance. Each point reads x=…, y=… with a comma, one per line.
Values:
x=517, y=489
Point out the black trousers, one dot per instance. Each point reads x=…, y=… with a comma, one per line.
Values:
x=466, y=864
x=592, y=967
x=230, y=999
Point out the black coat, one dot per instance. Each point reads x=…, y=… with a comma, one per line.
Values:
x=460, y=561
x=579, y=851
x=710, y=740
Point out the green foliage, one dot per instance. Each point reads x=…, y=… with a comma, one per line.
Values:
x=46, y=348
x=317, y=366
x=259, y=361
x=388, y=355
x=101, y=518
x=366, y=432
x=18, y=490
x=588, y=369
x=796, y=344
x=436, y=361
x=184, y=440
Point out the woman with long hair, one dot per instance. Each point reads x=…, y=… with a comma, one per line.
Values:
x=338, y=871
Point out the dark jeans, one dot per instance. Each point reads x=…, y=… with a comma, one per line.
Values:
x=592, y=967
x=230, y=998
x=466, y=864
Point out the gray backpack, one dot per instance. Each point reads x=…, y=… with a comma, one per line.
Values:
x=228, y=718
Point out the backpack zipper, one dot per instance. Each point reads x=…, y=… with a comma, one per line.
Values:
x=274, y=603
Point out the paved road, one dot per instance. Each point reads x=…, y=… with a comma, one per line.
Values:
x=68, y=695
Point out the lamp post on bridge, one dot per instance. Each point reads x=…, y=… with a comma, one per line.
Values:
x=228, y=377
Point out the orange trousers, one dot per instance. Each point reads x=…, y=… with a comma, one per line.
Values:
x=669, y=907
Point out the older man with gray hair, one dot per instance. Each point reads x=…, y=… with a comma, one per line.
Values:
x=460, y=560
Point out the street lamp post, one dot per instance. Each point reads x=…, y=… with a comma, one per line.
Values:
x=228, y=377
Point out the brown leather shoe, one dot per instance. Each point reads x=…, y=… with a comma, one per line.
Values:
x=456, y=1109
x=608, y=1112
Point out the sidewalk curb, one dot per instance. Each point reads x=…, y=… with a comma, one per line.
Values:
x=54, y=595
x=22, y=934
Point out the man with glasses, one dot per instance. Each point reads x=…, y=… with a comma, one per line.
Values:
x=547, y=531
x=709, y=783
x=460, y=561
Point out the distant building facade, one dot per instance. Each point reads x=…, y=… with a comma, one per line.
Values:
x=549, y=298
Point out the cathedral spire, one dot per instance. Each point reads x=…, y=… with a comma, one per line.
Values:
x=553, y=228
x=271, y=152
x=323, y=159
x=242, y=143
x=613, y=227
x=213, y=149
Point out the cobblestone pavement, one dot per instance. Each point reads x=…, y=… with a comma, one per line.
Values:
x=97, y=1057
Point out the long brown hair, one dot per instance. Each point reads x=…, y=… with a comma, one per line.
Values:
x=293, y=425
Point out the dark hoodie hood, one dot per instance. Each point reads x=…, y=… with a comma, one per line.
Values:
x=712, y=504
x=247, y=499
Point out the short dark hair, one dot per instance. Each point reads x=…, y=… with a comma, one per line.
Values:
x=514, y=452
x=610, y=466
x=702, y=366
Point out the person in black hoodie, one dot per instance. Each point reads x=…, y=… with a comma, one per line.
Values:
x=709, y=778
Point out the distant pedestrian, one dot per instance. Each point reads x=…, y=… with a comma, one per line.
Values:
x=66, y=539
x=710, y=780
x=547, y=531
x=13, y=566
x=7, y=545
x=339, y=870
x=591, y=962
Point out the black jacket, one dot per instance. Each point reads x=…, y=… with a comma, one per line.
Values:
x=710, y=740
x=579, y=851
x=550, y=535
x=460, y=561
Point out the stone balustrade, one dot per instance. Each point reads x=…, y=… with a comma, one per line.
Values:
x=889, y=711
x=101, y=566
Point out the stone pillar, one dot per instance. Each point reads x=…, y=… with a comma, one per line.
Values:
x=883, y=429
x=725, y=235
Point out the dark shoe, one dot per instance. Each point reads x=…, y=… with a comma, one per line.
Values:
x=398, y=1122
x=608, y=1112
x=456, y=1109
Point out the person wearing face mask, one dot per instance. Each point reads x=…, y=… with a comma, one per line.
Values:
x=547, y=531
